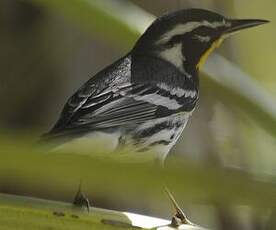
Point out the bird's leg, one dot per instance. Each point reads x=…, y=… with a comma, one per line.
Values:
x=81, y=200
x=179, y=217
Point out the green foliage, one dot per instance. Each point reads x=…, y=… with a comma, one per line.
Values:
x=26, y=213
x=107, y=178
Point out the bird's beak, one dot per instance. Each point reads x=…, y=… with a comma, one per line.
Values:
x=240, y=24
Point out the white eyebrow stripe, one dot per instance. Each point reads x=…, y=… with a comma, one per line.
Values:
x=188, y=27
x=177, y=30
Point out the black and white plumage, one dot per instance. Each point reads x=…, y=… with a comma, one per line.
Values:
x=144, y=99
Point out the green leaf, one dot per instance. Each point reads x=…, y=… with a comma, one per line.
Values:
x=28, y=213
x=19, y=212
x=58, y=175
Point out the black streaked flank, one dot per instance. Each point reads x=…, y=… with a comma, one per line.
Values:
x=161, y=142
x=144, y=133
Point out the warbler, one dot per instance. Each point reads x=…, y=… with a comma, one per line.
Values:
x=144, y=99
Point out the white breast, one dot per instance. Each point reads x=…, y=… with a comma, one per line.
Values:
x=93, y=144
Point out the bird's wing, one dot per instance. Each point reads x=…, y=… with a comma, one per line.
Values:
x=106, y=109
x=114, y=108
x=123, y=106
x=110, y=100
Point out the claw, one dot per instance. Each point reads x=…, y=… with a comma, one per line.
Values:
x=81, y=200
x=179, y=217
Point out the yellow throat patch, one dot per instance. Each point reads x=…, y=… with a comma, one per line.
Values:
x=204, y=57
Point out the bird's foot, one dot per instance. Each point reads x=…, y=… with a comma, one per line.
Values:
x=81, y=200
x=179, y=217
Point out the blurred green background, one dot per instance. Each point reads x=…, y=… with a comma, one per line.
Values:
x=50, y=48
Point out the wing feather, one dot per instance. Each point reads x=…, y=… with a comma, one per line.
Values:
x=110, y=100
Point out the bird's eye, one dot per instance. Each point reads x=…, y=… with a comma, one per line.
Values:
x=169, y=44
x=204, y=31
x=174, y=40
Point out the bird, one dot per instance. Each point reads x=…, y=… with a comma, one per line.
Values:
x=144, y=99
